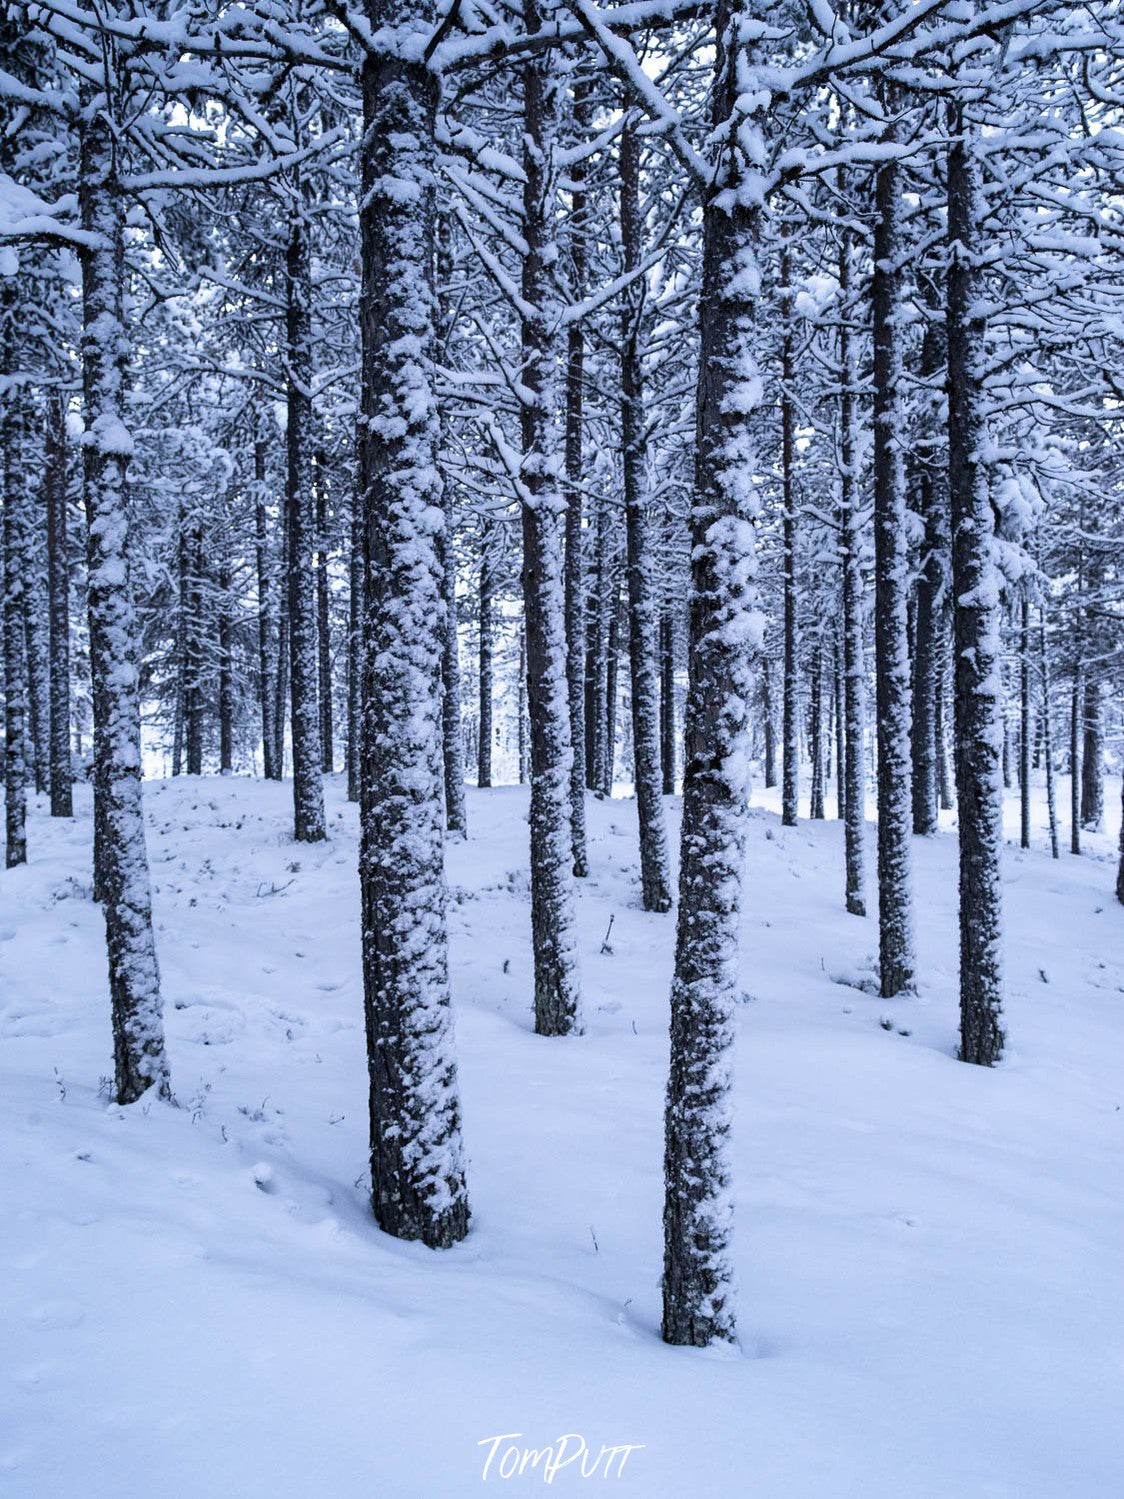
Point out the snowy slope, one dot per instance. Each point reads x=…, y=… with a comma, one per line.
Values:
x=196, y=1302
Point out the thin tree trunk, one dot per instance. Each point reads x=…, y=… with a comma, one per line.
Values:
x=850, y=539
x=267, y=664
x=58, y=587
x=697, y=1284
x=120, y=855
x=612, y=667
x=553, y=933
x=1048, y=740
x=193, y=658
x=1075, y=763
x=1092, y=768
x=667, y=699
x=790, y=771
x=655, y=868
x=816, y=809
x=36, y=618
x=356, y=577
x=840, y=699
x=305, y=726
x=767, y=723
x=1024, y=722
x=931, y=591
x=976, y=615
x=323, y=617
x=417, y=1172
x=15, y=551
x=226, y=667
x=891, y=590
x=485, y=595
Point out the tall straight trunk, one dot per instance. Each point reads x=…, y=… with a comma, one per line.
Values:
x=816, y=809
x=193, y=655
x=850, y=543
x=323, y=617
x=15, y=551
x=58, y=590
x=1075, y=701
x=281, y=674
x=667, y=698
x=790, y=768
x=417, y=1171
x=891, y=591
x=944, y=774
x=975, y=592
x=485, y=686
x=267, y=661
x=553, y=931
x=226, y=666
x=697, y=1283
x=1120, y=867
x=36, y=620
x=182, y=602
x=120, y=855
x=655, y=868
x=1024, y=722
x=521, y=711
x=931, y=593
x=304, y=694
x=612, y=669
x=356, y=579
x=452, y=736
x=1047, y=738
x=1092, y=755
x=596, y=655
x=575, y=422
x=768, y=723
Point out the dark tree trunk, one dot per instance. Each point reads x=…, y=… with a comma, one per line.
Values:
x=976, y=616
x=15, y=551
x=697, y=1285
x=182, y=604
x=655, y=869
x=931, y=595
x=323, y=617
x=267, y=661
x=58, y=588
x=612, y=667
x=1092, y=756
x=840, y=703
x=193, y=655
x=816, y=809
x=521, y=708
x=121, y=860
x=485, y=596
x=1024, y=722
x=575, y=418
x=1120, y=868
x=304, y=694
x=667, y=699
x=452, y=731
x=36, y=619
x=944, y=774
x=767, y=723
x=226, y=668
x=891, y=591
x=1075, y=714
x=850, y=542
x=554, y=938
x=356, y=576
x=281, y=675
x=1047, y=740
x=790, y=785
x=417, y=1173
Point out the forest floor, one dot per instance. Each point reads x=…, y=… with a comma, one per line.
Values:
x=196, y=1303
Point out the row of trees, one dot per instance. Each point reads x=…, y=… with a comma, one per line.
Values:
x=771, y=348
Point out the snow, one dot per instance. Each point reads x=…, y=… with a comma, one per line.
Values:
x=928, y=1253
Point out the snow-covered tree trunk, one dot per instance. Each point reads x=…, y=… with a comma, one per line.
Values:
x=226, y=663
x=929, y=621
x=850, y=546
x=1092, y=755
x=554, y=939
x=281, y=673
x=15, y=554
x=1120, y=869
x=36, y=620
x=417, y=1172
x=58, y=587
x=356, y=578
x=575, y=431
x=655, y=868
x=790, y=768
x=193, y=650
x=486, y=589
x=267, y=633
x=891, y=590
x=323, y=618
x=839, y=702
x=1075, y=716
x=456, y=815
x=768, y=724
x=1048, y=739
x=121, y=858
x=304, y=673
x=975, y=591
x=816, y=808
x=1024, y=722
x=667, y=698
x=724, y=637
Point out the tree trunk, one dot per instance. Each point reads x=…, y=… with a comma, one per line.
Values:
x=58, y=588
x=790, y=785
x=1047, y=740
x=850, y=542
x=485, y=595
x=816, y=809
x=724, y=637
x=767, y=723
x=15, y=552
x=931, y=593
x=554, y=938
x=655, y=869
x=267, y=663
x=1024, y=722
x=193, y=657
x=356, y=577
x=120, y=855
x=36, y=618
x=323, y=617
x=226, y=667
x=417, y=1173
x=667, y=699
x=1092, y=756
x=891, y=591
x=840, y=696
x=975, y=592
x=1075, y=715
x=304, y=695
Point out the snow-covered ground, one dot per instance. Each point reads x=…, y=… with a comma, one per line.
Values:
x=197, y=1304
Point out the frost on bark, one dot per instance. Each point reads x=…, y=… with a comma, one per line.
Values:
x=1120, y=869
x=557, y=990
x=485, y=597
x=304, y=669
x=456, y=814
x=723, y=640
x=816, y=807
x=356, y=577
x=267, y=626
x=58, y=587
x=976, y=616
x=1092, y=756
x=655, y=869
x=417, y=1172
x=790, y=740
x=853, y=706
x=932, y=590
x=575, y=428
x=323, y=617
x=1024, y=722
x=14, y=519
x=667, y=699
x=121, y=858
x=36, y=620
x=891, y=592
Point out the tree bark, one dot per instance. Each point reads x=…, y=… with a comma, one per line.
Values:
x=816, y=809
x=667, y=698
x=323, y=617
x=267, y=661
x=850, y=541
x=790, y=768
x=1024, y=722
x=485, y=595
x=417, y=1172
x=15, y=551
x=58, y=587
x=976, y=615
